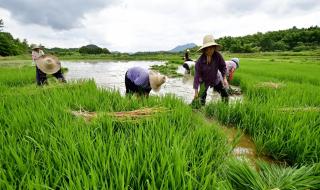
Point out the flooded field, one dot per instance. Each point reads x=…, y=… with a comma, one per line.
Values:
x=111, y=75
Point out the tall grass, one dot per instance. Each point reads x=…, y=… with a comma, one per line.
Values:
x=270, y=176
x=44, y=146
x=282, y=118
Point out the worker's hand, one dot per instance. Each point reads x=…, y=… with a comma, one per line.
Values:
x=196, y=94
x=225, y=83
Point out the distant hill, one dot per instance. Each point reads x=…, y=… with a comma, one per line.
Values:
x=183, y=47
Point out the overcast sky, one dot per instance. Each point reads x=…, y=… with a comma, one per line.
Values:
x=149, y=25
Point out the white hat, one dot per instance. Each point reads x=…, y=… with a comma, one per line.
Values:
x=35, y=46
x=48, y=64
x=236, y=60
x=208, y=41
x=156, y=80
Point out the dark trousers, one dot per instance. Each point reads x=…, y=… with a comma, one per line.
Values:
x=133, y=88
x=218, y=88
x=42, y=77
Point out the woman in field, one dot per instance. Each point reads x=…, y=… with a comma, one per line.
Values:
x=206, y=71
x=140, y=81
x=45, y=65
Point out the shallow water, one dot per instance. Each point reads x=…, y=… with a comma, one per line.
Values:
x=111, y=75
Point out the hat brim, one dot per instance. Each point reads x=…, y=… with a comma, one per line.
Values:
x=209, y=45
x=48, y=64
x=154, y=81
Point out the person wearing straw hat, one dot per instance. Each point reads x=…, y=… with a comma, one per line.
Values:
x=206, y=71
x=140, y=81
x=46, y=64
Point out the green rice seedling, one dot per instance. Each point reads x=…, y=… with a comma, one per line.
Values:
x=270, y=176
x=44, y=146
x=270, y=87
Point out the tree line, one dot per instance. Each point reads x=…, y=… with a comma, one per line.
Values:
x=10, y=45
x=292, y=39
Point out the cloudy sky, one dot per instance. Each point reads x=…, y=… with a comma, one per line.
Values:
x=149, y=25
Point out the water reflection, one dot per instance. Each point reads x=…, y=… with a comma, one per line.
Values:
x=111, y=75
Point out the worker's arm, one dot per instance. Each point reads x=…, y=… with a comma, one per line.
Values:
x=231, y=74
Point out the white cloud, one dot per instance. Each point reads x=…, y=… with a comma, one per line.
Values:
x=141, y=25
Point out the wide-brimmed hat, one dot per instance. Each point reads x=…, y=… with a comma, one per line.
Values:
x=208, y=41
x=35, y=46
x=156, y=80
x=48, y=64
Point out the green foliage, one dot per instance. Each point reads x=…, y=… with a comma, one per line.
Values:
x=281, y=106
x=283, y=40
x=169, y=68
x=271, y=176
x=93, y=49
x=44, y=145
x=10, y=46
x=1, y=24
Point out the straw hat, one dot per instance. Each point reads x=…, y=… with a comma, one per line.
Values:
x=208, y=41
x=48, y=64
x=156, y=80
x=35, y=46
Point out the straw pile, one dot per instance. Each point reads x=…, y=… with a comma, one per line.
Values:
x=123, y=115
x=300, y=109
x=270, y=85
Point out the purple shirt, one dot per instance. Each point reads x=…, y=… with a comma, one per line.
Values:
x=139, y=76
x=208, y=73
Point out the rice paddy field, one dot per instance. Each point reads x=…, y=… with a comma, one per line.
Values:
x=80, y=136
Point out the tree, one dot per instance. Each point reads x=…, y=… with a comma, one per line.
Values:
x=1, y=24
x=93, y=49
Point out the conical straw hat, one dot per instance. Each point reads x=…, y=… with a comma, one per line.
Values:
x=48, y=64
x=156, y=80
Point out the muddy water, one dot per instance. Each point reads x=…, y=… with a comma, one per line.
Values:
x=111, y=75
x=245, y=148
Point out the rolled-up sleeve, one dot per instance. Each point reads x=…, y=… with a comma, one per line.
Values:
x=196, y=80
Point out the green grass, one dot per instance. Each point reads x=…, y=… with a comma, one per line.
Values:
x=283, y=119
x=169, y=68
x=271, y=176
x=44, y=146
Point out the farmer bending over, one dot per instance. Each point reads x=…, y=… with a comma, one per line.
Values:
x=231, y=66
x=45, y=64
x=140, y=81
